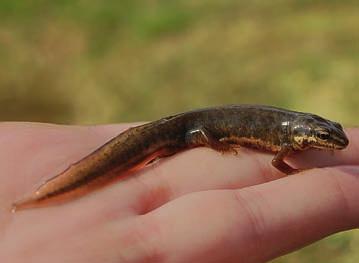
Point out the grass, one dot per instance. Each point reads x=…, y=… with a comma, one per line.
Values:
x=117, y=61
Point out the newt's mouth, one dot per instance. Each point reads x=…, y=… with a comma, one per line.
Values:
x=340, y=139
x=341, y=143
x=338, y=143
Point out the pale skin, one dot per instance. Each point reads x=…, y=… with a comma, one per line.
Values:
x=197, y=206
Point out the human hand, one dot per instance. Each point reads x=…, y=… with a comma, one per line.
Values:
x=197, y=206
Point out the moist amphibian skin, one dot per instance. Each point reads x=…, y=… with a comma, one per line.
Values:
x=221, y=128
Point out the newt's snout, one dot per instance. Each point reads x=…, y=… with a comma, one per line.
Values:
x=329, y=134
x=340, y=140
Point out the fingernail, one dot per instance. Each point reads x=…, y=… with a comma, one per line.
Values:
x=350, y=169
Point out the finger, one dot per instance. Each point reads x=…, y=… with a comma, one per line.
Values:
x=195, y=170
x=256, y=223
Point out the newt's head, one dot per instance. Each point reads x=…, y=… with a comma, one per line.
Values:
x=313, y=131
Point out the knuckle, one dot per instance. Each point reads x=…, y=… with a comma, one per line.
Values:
x=251, y=209
x=264, y=168
x=338, y=191
x=155, y=191
x=140, y=242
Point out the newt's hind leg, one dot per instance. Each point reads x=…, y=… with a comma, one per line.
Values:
x=165, y=152
x=201, y=137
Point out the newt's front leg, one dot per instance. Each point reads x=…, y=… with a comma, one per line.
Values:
x=278, y=161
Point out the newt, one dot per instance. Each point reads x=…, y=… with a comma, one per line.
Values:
x=223, y=129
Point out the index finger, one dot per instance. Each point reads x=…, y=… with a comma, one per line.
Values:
x=257, y=223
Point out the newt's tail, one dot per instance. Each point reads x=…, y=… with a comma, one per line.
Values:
x=25, y=203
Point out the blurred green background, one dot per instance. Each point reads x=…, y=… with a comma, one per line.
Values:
x=87, y=62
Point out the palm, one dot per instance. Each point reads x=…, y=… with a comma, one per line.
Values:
x=198, y=206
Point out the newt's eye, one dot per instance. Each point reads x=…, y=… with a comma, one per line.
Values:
x=323, y=135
